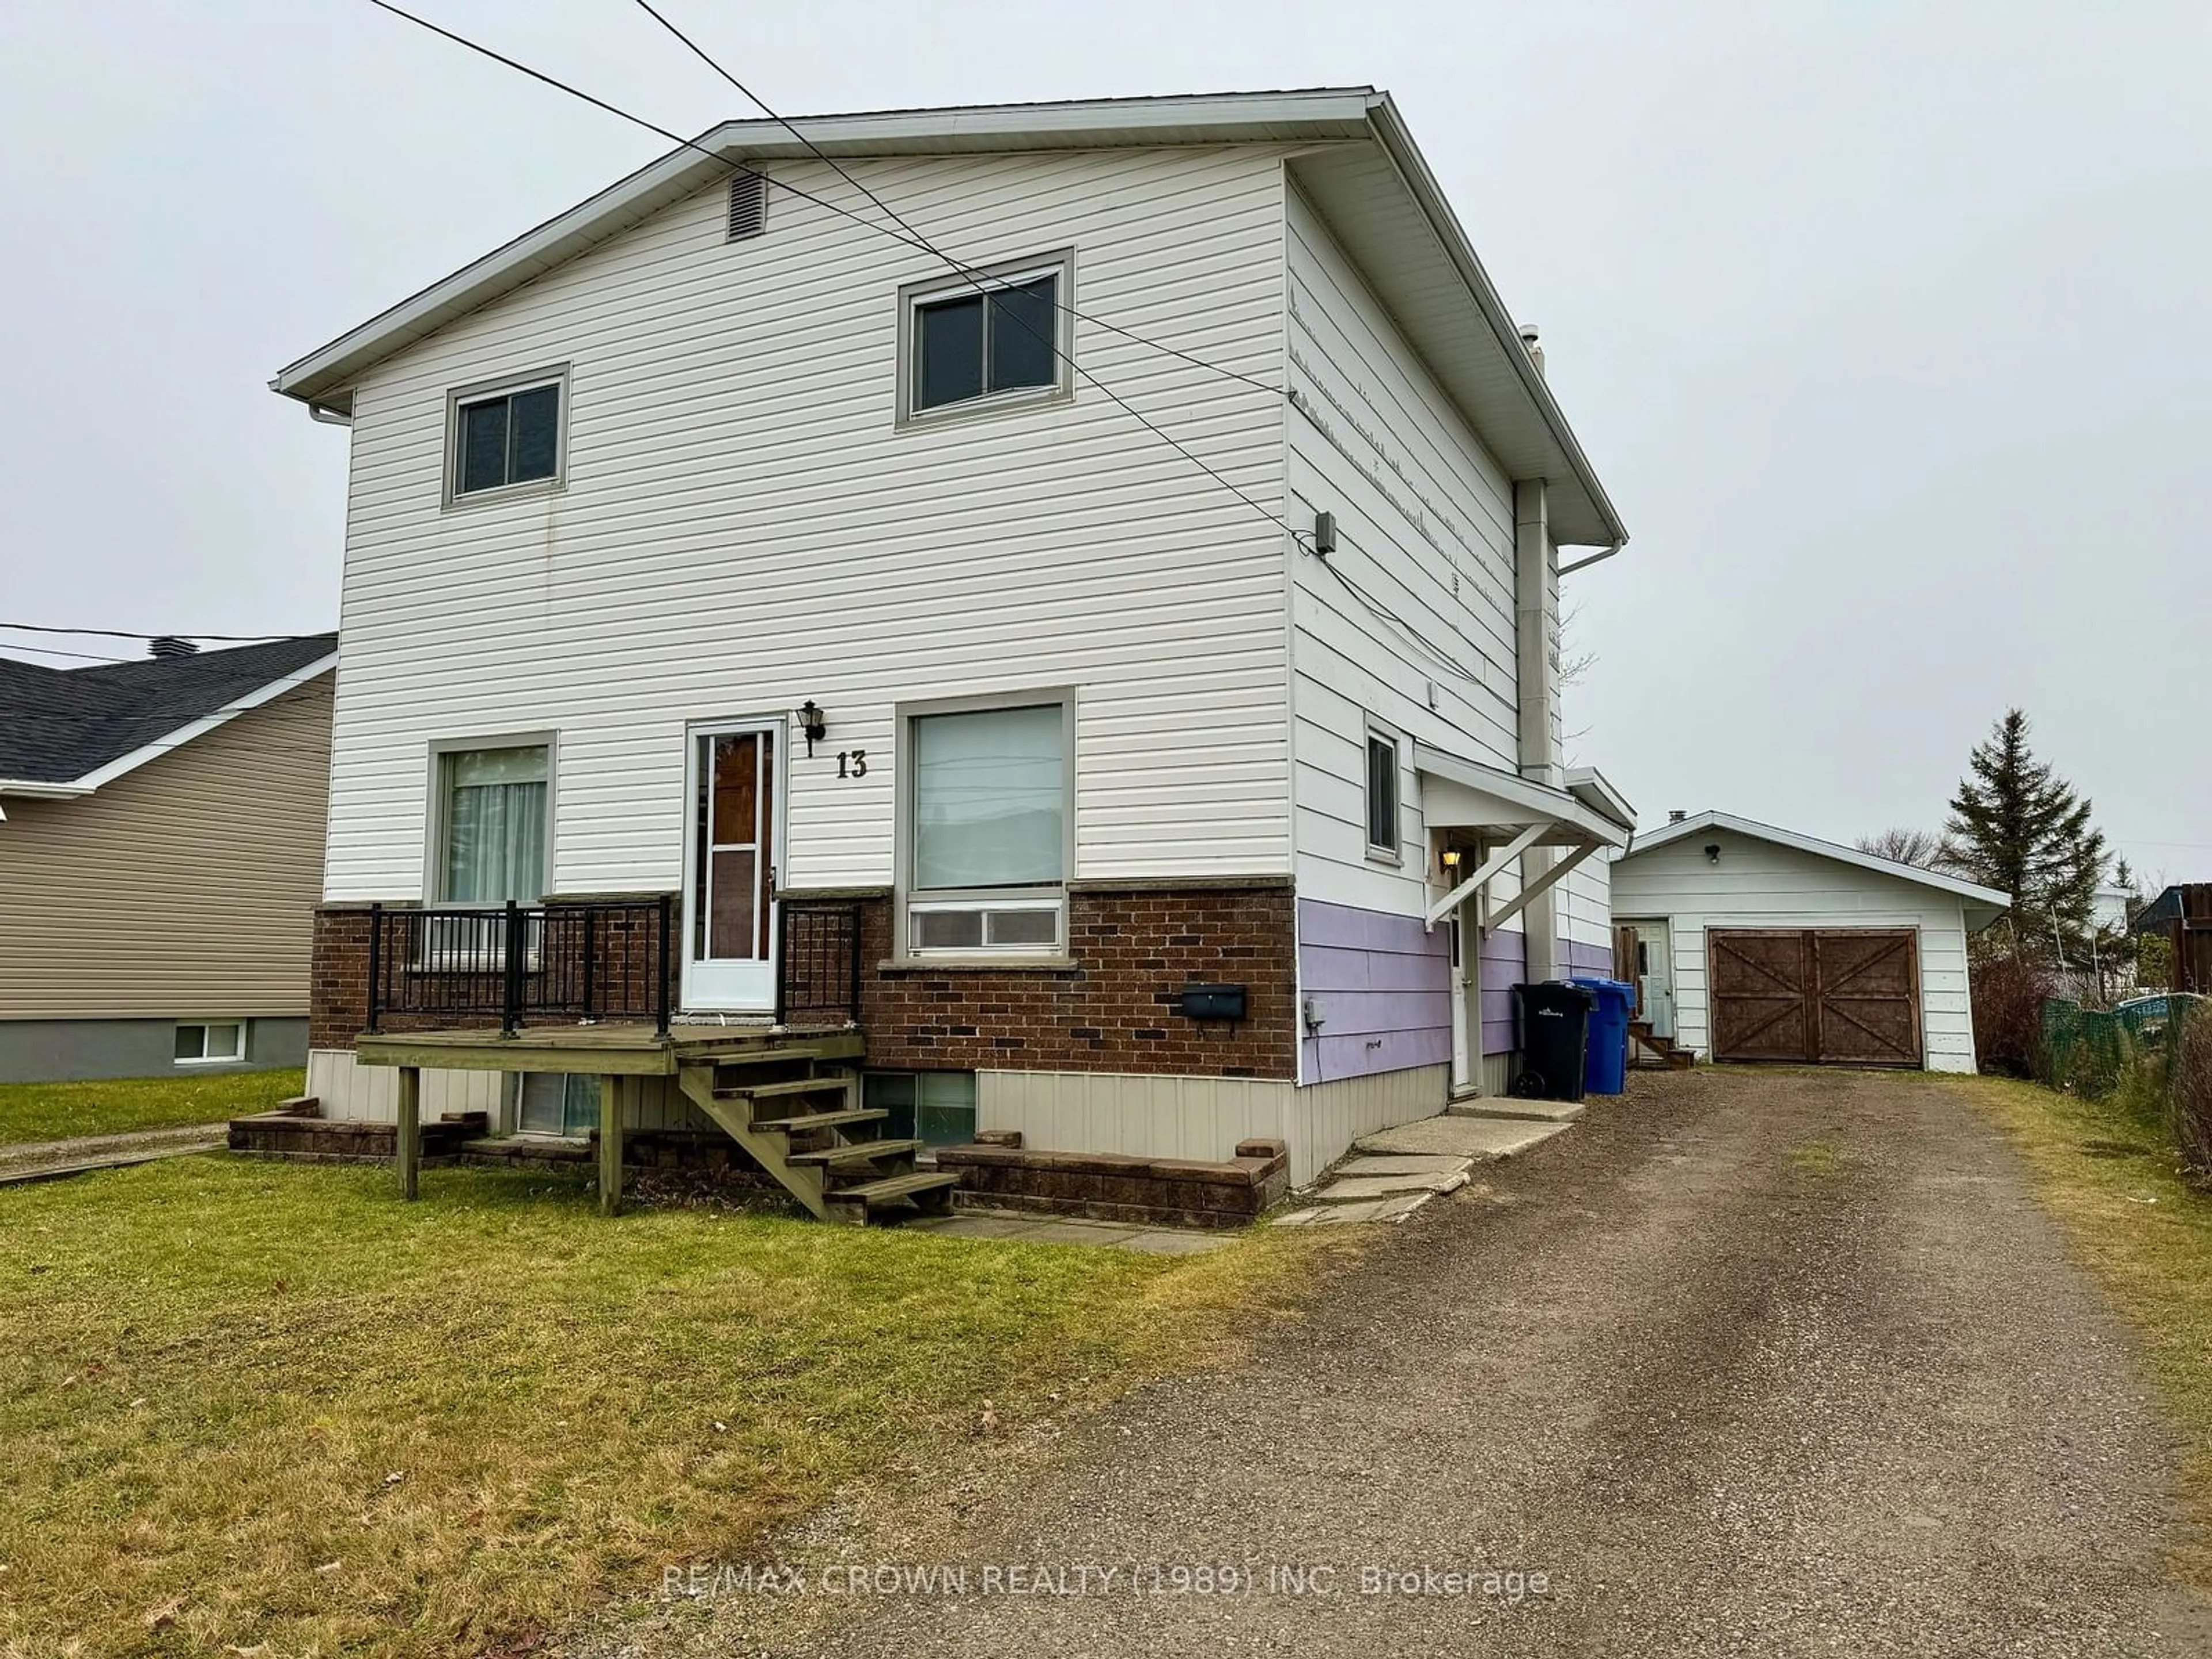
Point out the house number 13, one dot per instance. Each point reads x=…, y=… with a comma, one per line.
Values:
x=851, y=762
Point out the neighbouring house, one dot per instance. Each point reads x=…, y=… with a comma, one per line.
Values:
x=2182, y=915
x=1750, y=943
x=757, y=628
x=160, y=857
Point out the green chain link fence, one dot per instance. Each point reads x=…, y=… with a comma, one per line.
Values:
x=2093, y=1053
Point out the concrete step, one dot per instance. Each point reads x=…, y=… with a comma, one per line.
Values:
x=1471, y=1138
x=1511, y=1110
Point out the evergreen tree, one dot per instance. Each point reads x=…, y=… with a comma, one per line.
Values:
x=2017, y=827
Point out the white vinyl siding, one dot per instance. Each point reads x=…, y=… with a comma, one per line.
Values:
x=1424, y=526
x=1756, y=883
x=744, y=525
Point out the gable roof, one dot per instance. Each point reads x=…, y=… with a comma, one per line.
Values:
x=67, y=731
x=1826, y=849
x=1364, y=177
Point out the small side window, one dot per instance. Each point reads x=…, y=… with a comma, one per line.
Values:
x=1383, y=832
x=997, y=338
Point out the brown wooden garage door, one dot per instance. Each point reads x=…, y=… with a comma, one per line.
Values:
x=1830, y=996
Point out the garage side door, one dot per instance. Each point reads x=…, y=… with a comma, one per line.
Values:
x=1837, y=996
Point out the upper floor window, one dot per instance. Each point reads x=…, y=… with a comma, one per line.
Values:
x=1383, y=832
x=506, y=436
x=491, y=823
x=986, y=821
x=1001, y=338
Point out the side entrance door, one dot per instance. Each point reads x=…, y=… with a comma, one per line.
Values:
x=1835, y=996
x=1647, y=962
x=731, y=847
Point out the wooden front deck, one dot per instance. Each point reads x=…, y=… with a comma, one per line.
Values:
x=611, y=1048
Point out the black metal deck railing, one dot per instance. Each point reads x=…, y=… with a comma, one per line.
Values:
x=523, y=963
x=818, y=977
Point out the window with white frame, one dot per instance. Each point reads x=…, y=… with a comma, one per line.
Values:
x=998, y=338
x=504, y=437
x=987, y=825
x=210, y=1042
x=492, y=825
x=1382, y=794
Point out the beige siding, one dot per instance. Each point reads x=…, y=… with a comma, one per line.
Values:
x=185, y=888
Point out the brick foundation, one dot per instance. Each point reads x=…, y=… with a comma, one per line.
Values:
x=1114, y=1010
x=1132, y=950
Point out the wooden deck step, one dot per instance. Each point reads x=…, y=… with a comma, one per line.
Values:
x=798, y=1085
x=824, y=1119
x=894, y=1189
x=859, y=1152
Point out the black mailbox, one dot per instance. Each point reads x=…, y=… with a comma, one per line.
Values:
x=1212, y=1002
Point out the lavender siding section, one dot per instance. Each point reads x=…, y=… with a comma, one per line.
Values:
x=1387, y=984
x=1504, y=963
x=1586, y=961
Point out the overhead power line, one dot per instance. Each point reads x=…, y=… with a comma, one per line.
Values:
x=907, y=237
x=123, y=634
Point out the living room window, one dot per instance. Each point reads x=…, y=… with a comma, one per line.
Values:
x=986, y=816
x=508, y=438
x=997, y=340
x=492, y=821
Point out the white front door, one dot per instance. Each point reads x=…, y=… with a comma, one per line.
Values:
x=1653, y=969
x=731, y=848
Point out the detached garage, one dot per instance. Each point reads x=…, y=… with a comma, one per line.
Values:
x=1750, y=943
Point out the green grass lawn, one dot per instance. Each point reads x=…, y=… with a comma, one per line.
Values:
x=2114, y=1181
x=250, y=1404
x=55, y=1111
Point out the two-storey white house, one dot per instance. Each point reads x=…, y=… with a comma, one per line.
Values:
x=1098, y=651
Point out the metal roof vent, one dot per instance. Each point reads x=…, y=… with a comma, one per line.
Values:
x=169, y=645
x=748, y=205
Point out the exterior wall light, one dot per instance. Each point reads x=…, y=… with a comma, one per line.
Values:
x=1451, y=861
x=1712, y=851
x=812, y=722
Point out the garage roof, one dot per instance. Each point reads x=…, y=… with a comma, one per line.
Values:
x=1827, y=849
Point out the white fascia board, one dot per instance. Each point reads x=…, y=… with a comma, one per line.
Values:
x=1827, y=849
x=1397, y=141
x=324, y=377
x=1591, y=787
x=1534, y=801
x=177, y=740
x=33, y=789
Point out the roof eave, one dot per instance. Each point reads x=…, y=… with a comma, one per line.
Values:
x=325, y=376
x=1972, y=892
x=1390, y=130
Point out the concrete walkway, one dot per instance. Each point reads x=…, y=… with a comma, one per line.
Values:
x=1746, y=1366
x=1392, y=1174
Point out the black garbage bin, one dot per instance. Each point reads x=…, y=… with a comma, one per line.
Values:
x=1555, y=1017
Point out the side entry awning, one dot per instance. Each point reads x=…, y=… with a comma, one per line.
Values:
x=1586, y=817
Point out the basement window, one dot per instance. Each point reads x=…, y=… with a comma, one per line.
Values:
x=212, y=1042
x=935, y=1108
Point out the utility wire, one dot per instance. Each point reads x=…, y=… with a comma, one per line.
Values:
x=884, y=230
x=914, y=237
x=7, y=646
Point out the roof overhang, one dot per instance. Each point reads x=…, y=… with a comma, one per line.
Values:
x=1361, y=170
x=1984, y=904
x=69, y=789
x=1463, y=794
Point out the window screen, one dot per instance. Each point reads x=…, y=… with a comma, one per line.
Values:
x=513, y=437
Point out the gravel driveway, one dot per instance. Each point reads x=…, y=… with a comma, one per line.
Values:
x=1758, y=1363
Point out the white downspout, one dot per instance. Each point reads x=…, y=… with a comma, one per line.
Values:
x=1536, y=631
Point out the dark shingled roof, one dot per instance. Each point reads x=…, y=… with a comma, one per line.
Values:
x=58, y=724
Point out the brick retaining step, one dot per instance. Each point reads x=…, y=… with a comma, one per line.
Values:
x=1115, y=1186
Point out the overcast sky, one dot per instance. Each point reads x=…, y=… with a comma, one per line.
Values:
x=1886, y=324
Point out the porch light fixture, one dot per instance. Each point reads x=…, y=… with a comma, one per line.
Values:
x=1451, y=860
x=811, y=723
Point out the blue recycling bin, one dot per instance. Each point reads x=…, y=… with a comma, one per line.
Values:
x=1605, y=1066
